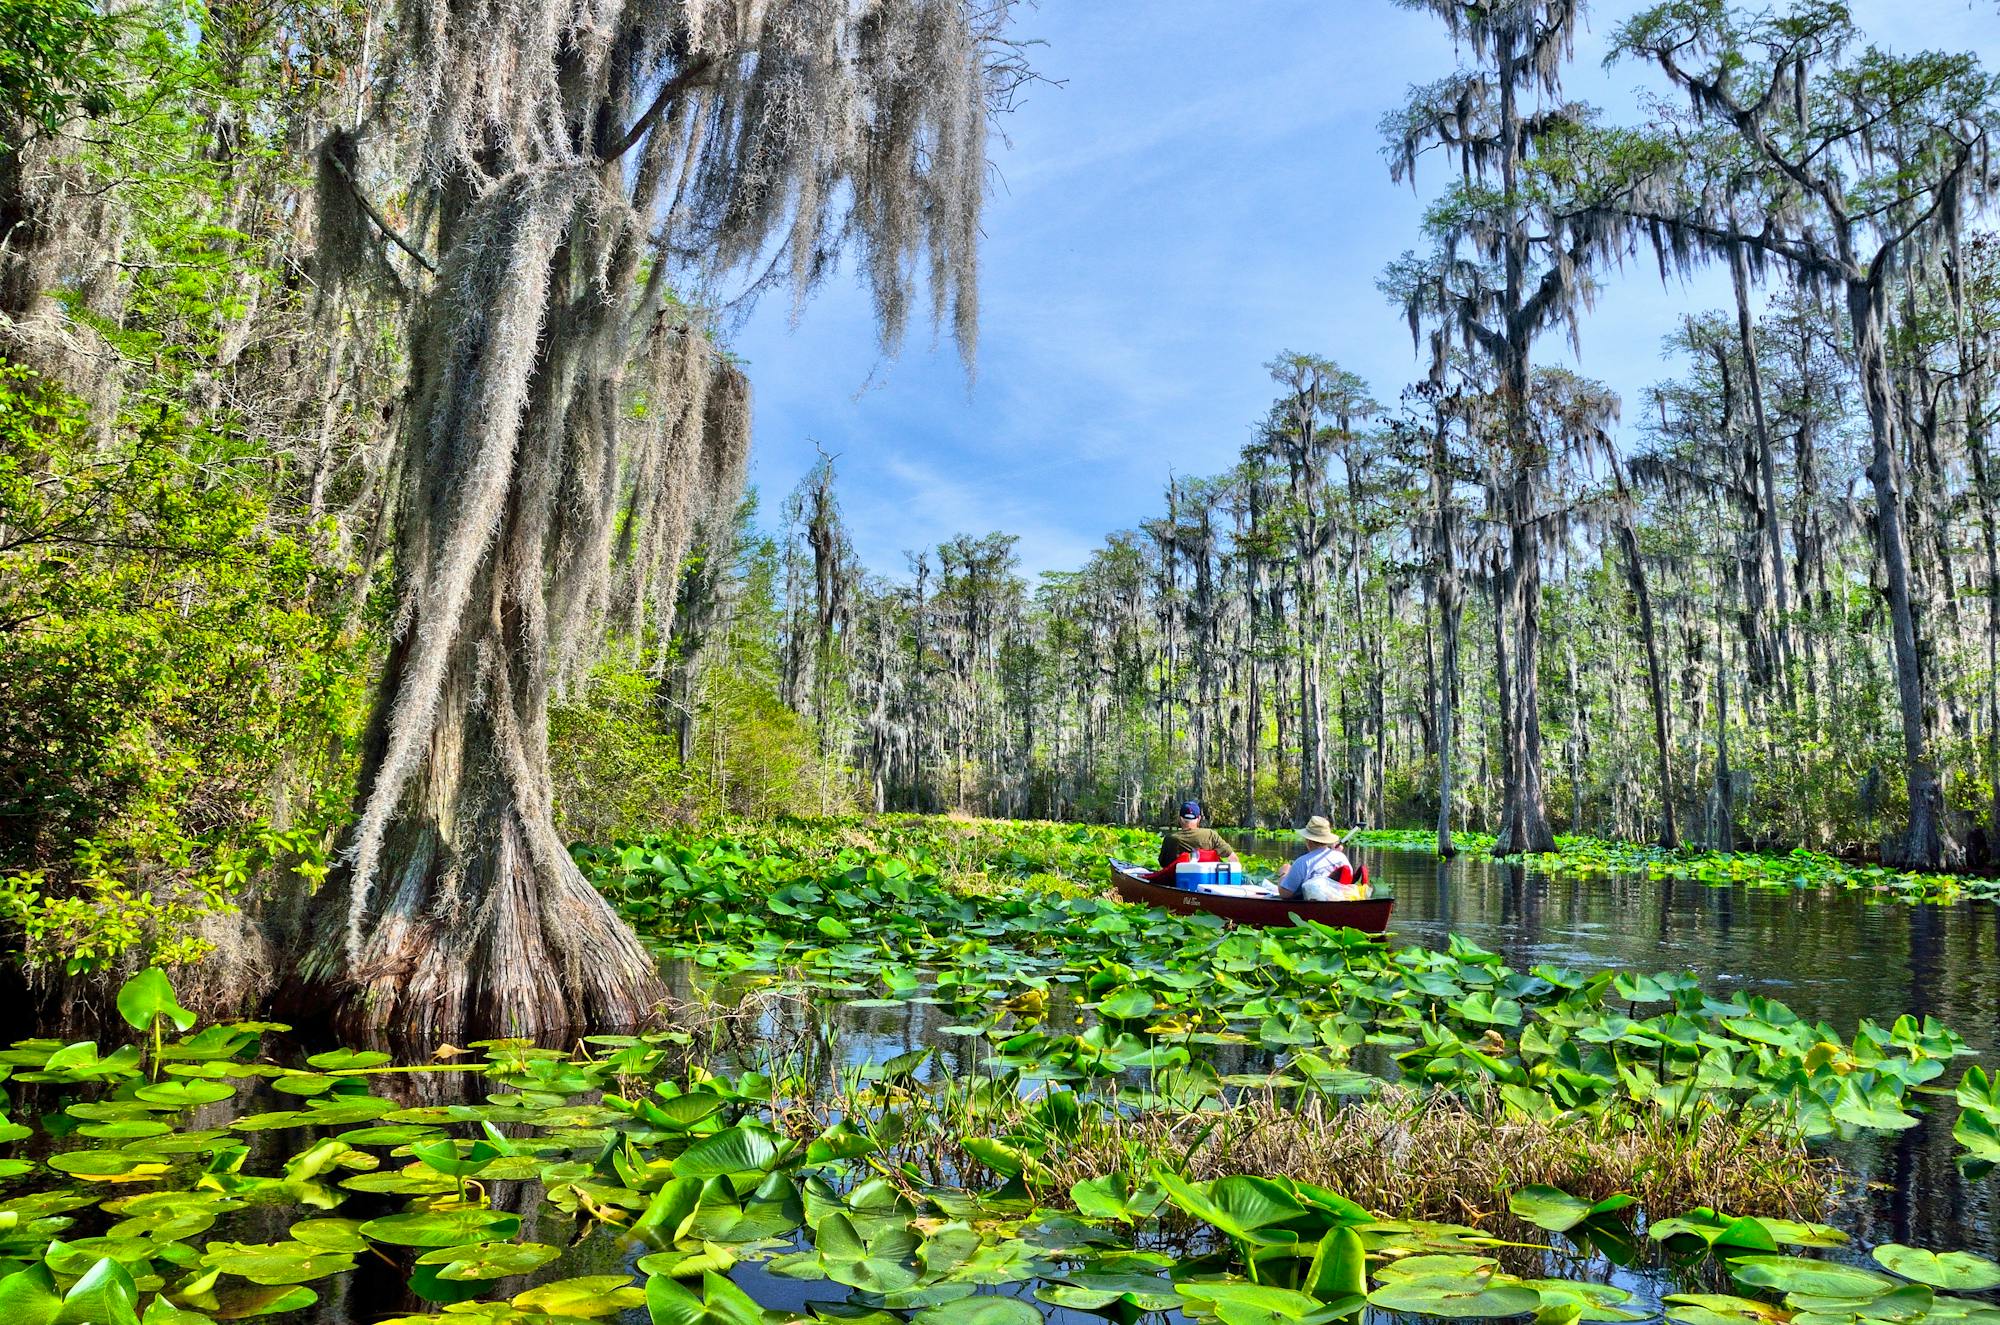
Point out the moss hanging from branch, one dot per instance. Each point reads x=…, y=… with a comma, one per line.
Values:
x=575, y=166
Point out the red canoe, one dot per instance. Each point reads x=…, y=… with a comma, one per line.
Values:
x=1370, y=916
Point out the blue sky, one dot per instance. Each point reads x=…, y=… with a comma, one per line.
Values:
x=1204, y=189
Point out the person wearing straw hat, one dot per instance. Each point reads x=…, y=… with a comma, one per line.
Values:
x=1323, y=873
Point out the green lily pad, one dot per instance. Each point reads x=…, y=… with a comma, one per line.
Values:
x=330, y=1234
x=1455, y=1296
x=1800, y=1274
x=388, y=1134
x=270, y=1122
x=441, y=1228
x=107, y=1164
x=348, y=1060
x=277, y=1263
x=1956, y=1271
x=149, y=995
x=489, y=1260
x=248, y=1301
x=687, y=1262
x=131, y=1129
x=183, y=1093
x=740, y=1149
x=589, y=1296
x=985, y=1309
x=1558, y=1211
x=682, y=1111
x=29, y=1297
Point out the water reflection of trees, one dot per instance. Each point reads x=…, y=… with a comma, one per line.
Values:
x=1833, y=956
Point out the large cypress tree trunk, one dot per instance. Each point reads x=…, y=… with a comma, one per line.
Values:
x=456, y=910
x=480, y=924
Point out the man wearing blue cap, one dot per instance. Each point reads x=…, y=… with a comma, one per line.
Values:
x=1188, y=841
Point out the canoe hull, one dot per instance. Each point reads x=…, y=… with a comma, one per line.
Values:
x=1370, y=916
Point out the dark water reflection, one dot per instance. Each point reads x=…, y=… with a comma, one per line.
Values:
x=1834, y=956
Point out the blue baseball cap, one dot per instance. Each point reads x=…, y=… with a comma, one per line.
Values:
x=1190, y=809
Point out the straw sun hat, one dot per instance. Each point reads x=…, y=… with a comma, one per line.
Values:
x=1319, y=832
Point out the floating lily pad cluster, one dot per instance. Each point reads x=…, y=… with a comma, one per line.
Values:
x=1338, y=1010
x=572, y=1187
x=1788, y=871
x=207, y=1173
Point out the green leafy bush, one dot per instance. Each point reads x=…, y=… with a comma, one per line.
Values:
x=169, y=665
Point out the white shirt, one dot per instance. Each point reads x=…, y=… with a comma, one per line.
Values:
x=1321, y=865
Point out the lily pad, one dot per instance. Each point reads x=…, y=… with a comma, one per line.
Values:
x=277, y=1263
x=1801, y=1274
x=489, y=1260
x=984, y=1309
x=441, y=1228
x=588, y=1296
x=1955, y=1271
x=1556, y=1210
x=1455, y=1296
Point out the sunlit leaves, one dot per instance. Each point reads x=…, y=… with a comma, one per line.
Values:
x=148, y=997
x=1558, y=1211
x=440, y=1228
x=1954, y=1271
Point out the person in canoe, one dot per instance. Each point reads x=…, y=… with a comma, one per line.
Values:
x=1189, y=841
x=1323, y=873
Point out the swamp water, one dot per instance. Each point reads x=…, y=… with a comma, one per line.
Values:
x=1831, y=956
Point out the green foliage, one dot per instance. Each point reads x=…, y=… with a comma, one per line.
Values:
x=182, y=644
x=53, y=58
x=760, y=757
x=144, y=590
x=615, y=754
x=617, y=768
x=640, y=1143
x=827, y=899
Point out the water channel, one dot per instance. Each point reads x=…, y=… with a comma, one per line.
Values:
x=1833, y=956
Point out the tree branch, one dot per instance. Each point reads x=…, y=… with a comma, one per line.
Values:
x=696, y=71
x=389, y=232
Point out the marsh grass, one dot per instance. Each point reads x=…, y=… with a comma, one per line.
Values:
x=1402, y=1154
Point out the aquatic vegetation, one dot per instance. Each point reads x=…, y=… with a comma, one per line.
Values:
x=1399, y=1151
x=154, y=1183
x=1337, y=1010
x=1795, y=869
